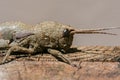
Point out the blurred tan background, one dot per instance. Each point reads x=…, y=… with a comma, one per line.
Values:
x=78, y=13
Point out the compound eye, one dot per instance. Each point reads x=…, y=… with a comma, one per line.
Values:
x=66, y=33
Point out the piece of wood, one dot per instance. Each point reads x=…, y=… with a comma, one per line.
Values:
x=97, y=62
x=41, y=70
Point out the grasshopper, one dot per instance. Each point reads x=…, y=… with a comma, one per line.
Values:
x=50, y=36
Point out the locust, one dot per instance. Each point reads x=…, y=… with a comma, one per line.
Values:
x=50, y=36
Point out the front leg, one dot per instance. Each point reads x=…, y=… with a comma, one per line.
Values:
x=58, y=54
x=17, y=49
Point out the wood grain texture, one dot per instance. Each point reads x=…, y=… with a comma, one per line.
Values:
x=83, y=53
x=98, y=62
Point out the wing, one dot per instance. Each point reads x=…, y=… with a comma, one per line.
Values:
x=22, y=34
x=12, y=35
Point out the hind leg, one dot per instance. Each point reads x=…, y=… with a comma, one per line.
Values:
x=17, y=49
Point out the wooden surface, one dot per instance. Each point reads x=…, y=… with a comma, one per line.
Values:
x=105, y=67
x=32, y=70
